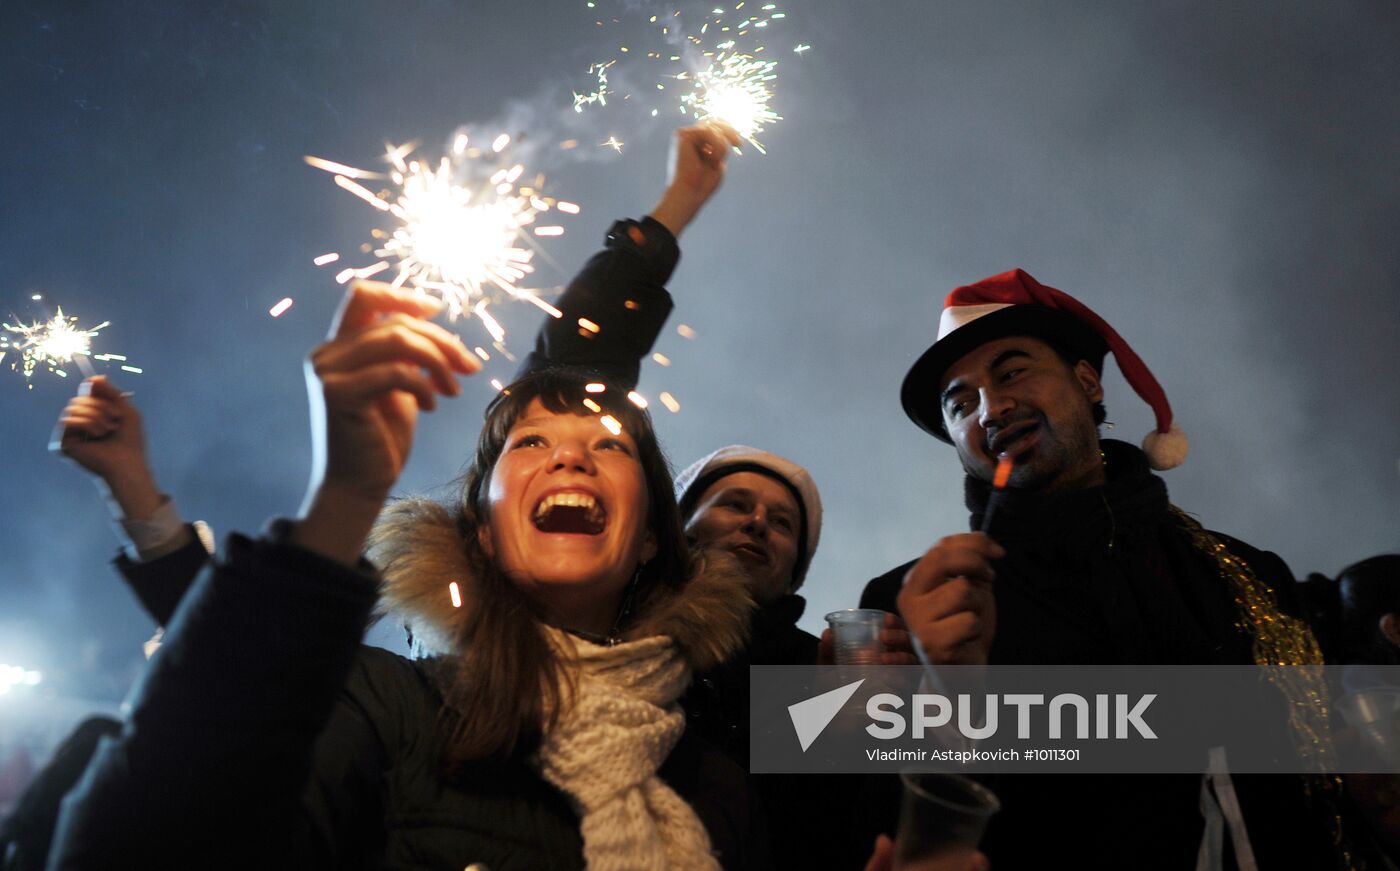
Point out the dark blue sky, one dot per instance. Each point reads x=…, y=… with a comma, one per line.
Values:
x=1219, y=181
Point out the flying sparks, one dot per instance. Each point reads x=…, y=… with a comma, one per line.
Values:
x=600, y=94
x=462, y=225
x=718, y=71
x=53, y=344
x=735, y=89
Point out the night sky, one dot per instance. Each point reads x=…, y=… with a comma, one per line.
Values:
x=1219, y=181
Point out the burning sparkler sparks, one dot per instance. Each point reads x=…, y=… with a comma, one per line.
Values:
x=722, y=70
x=735, y=90
x=54, y=344
x=462, y=225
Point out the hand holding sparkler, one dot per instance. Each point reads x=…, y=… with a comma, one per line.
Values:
x=382, y=364
x=699, y=154
x=947, y=599
x=100, y=430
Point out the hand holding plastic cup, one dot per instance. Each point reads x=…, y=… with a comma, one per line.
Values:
x=1375, y=715
x=855, y=635
x=941, y=817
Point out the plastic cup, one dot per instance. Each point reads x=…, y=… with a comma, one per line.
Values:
x=1375, y=715
x=942, y=816
x=856, y=635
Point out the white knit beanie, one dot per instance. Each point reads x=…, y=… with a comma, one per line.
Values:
x=740, y=458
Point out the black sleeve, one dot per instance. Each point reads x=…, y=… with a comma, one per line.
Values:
x=621, y=291
x=161, y=583
x=213, y=764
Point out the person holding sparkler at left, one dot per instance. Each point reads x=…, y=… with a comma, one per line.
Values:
x=546, y=732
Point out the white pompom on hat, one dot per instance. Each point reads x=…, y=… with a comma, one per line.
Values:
x=1015, y=304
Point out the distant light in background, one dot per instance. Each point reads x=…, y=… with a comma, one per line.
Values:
x=595, y=387
x=670, y=402
x=637, y=399
x=277, y=310
x=17, y=676
x=661, y=359
x=685, y=331
x=610, y=423
x=456, y=593
x=326, y=258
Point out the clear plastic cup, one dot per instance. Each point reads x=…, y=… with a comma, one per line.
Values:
x=941, y=816
x=856, y=635
x=1375, y=715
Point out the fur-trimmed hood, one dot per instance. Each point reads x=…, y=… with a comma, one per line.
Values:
x=418, y=548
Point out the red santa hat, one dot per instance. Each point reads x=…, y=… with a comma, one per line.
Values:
x=1015, y=304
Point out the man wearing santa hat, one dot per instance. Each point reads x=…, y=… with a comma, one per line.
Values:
x=1085, y=561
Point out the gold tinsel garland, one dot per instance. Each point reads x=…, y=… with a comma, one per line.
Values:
x=1283, y=640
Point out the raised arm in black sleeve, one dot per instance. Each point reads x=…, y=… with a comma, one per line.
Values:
x=621, y=291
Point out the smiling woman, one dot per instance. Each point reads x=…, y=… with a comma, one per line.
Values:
x=541, y=457
x=561, y=609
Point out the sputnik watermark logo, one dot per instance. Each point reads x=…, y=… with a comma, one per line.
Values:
x=1081, y=718
x=811, y=716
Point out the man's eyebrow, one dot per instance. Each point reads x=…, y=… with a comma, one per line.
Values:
x=949, y=391
x=1008, y=354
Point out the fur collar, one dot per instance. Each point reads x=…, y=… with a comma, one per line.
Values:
x=417, y=546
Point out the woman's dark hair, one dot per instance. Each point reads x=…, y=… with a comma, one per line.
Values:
x=507, y=685
x=1367, y=591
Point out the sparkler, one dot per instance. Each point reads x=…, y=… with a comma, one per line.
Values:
x=54, y=344
x=462, y=231
x=724, y=73
x=735, y=89
x=999, y=482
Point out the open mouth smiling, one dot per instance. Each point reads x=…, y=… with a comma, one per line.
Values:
x=1013, y=439
x=571, y=512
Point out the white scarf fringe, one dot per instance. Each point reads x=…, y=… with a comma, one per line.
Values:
x=611, y=737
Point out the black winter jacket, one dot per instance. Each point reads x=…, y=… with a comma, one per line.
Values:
x=1107, y=575
x=265, y=735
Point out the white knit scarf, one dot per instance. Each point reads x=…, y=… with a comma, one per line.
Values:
x=611, y=737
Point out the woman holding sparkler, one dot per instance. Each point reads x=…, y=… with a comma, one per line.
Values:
x=567, y=607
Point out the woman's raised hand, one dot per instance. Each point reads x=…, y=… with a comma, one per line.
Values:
x=698, y=159
x=382, y=364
